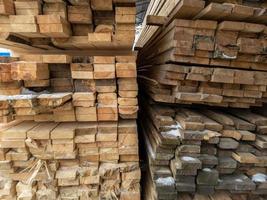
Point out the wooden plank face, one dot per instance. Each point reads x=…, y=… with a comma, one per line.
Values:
x=53, y=99
x=101, y=5
x=104, y=71
x=20, y=131
x=7, y=7
x=80, y=14
x=64, y=131
x=42, y=131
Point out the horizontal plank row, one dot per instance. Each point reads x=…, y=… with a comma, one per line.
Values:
x=65, y=88
x=78, y=160
x=49, y=25
x=252, y=12
x=204, y=42
x=176, y=83
x=203, y=150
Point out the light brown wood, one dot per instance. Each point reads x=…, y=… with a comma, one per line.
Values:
x=80, y=76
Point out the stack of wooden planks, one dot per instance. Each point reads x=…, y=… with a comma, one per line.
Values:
x=92, y=153
x=38, y=25
x=76, y=130
x=70, y=160
x=8, y=86
x=204, y=52
x=203, y=150
x=228, y=44
x=66, y=89
x=203, y=59
x=179, y=83
x=205, y=42
x=162, y=13
x=72, y=96
x=202, y=67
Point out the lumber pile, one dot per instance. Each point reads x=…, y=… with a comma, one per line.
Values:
x=203, y=60
x=78, y=88
x=161, y=14
x=75, y=134
x=205, y=42
x=39, y=25
x=70, y=160
x=256, y=4
x=72, y=96
x=201, y=69
x=203, y=150
x=178, y=83
x=8, y=86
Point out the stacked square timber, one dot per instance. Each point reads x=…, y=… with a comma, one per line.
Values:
x=39, y=72
x=54, y=26
x=70, y=160
x=25, y=25
x=29, y=71
x=159, y=15
x=5, y=110
x=200, y=61
x=127, y=87
x=77, y=140
x=28, y=7
x=75, y=133
x=85, y=106
x=205, y=42
x=203, y=151
x=8, y=86
x=94, y=95
x=209, y=53
x=90, y=82
x=67, y=25
x=250, y=11
x=204, y=61
x=241, y=2
x=99, y=102
x=178, y=83
x=55, y=8
x=80, y=16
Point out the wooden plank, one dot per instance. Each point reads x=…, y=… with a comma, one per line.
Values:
x=54, y=100
x=19, y=131
x=42, y=131
x=101, y=5
x=64, y=131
